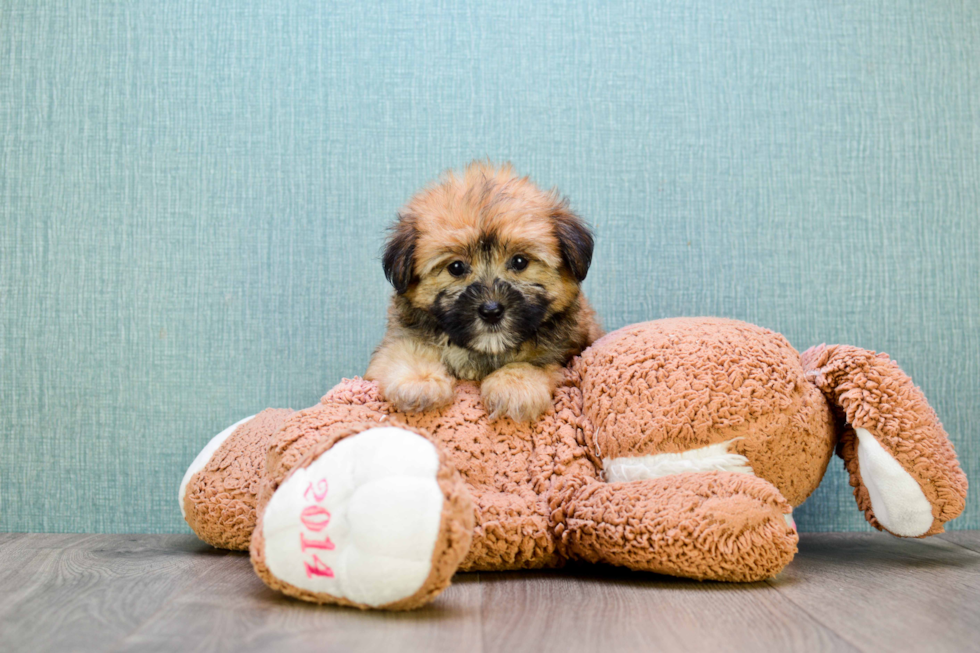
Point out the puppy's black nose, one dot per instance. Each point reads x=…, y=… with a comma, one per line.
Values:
x=491, y=312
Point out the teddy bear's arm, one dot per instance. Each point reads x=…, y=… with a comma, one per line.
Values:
x=903, y=468
x=709, y=525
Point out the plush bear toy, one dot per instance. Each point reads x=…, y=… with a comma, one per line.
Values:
x=678, y=446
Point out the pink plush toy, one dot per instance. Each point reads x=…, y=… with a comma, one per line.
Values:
x=678, y=446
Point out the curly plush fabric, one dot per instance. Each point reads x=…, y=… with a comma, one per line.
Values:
x=680, y=384
x=722, y=426
x=717, y=525
x=538, y=499
x=221, y=498
x=508, y=467
x=871, y=392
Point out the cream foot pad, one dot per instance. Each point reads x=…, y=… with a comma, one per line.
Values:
x=360, y=522
x=896, y=498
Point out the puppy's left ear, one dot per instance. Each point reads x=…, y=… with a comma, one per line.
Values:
x=399, y=256
x=574, y=239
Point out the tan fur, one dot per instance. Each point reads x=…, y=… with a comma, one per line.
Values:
x=411, y=375
x=451, y=214
x=520, y=390
x=452, y=220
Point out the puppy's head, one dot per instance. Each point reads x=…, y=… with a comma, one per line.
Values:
x=489, y=255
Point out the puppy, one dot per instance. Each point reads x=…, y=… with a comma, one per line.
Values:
x=486, y=268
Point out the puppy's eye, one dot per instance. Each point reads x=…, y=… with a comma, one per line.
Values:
x=519, y=262
x=457, y=268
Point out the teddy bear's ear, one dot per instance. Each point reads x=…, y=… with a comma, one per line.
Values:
x=399, y=255
x=574, y=239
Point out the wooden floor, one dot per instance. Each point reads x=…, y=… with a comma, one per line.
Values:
x=863, y=592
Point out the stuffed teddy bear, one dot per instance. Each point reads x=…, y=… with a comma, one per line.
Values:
x=678, y=446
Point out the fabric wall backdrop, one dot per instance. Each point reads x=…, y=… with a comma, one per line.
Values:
x=192, y=201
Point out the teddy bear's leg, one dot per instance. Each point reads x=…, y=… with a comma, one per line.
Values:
x=219, y=491
x=707, y=525
x=374, y=518
x=512, y=531
x=902, y=465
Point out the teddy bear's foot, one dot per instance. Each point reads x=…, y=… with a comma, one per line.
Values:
x=202, y=459
x=379, y=520
x=708, y=525
x=902, y=465
x=896, y=498
x=219, y=491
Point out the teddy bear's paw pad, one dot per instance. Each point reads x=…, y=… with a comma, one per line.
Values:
x=898, y=502
x=361, y=521
x=203, y=458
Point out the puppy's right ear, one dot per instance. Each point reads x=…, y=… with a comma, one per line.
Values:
x=399, y=256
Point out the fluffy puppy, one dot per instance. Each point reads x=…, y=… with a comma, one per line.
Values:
x=486, y=268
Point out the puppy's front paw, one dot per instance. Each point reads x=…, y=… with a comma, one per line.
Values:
x=520, y=391
x=419, y=391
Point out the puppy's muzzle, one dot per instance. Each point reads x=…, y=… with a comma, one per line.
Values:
x=491, y=312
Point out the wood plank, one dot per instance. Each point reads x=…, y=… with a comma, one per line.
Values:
x=966, y=539
x=7, y=538
x=63, y=540
x=611, y=609
x=885, y=593
x=164, y=593
x=13, y=563
x=93, y=590
x=8, y=542
x=230, y=609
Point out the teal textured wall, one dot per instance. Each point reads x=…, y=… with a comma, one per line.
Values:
x=192, y=197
